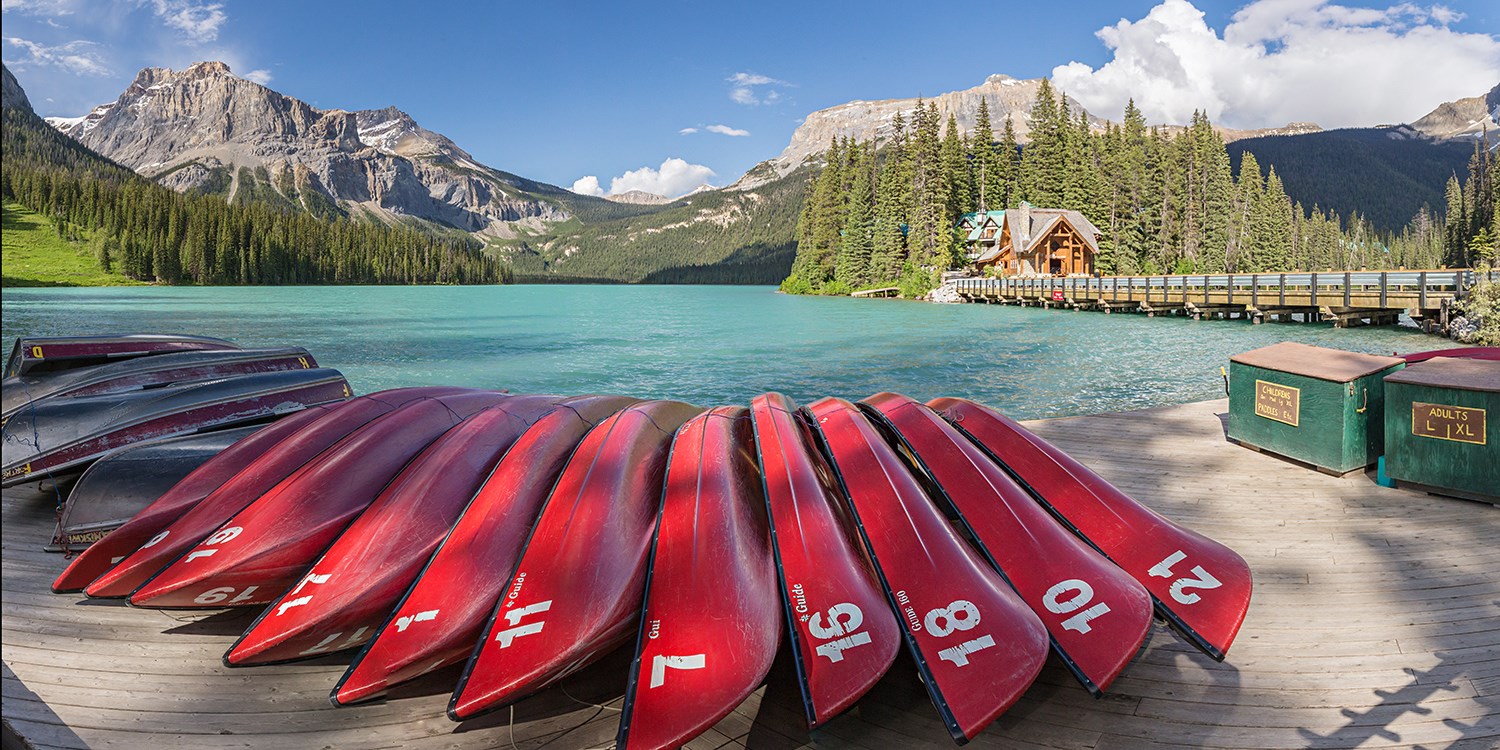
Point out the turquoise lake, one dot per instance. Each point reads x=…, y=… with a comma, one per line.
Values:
x=704, y=344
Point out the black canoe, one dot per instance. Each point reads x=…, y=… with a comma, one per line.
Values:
x=142, y=373
x=65, y=352
x=60, y=436
x=120, y=484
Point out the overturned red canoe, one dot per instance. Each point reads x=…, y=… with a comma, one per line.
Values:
x=1464, y=352
x=844, y=637
x=576, y=591
x=63, y=352
x=1097, y=615
x=441, y=615
x=263, y=549
x=712, y=619
x=59, y=436
x=351, y=588
x=189, y=512
x=1201, y=587
x=147, y=372
x=976, y=643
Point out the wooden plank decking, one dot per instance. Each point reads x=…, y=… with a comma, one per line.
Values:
x=1375, y=622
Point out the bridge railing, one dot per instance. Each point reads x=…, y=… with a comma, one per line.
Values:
x=1255, y=289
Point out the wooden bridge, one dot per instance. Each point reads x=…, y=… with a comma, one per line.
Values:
x=1347, y=298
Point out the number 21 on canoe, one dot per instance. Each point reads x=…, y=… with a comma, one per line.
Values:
x=976, y=643
x=1200, y=587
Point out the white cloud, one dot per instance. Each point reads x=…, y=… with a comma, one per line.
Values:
x=746, y=88
x=675, y=177
x=588, y=185
x=260, y=76
x=687, y=131
x=726, y=130
x=38, y=7
x=1286, y=60
x=198, y=21
x=78, y=57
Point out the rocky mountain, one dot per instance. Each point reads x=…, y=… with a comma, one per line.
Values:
x=1465, y=118
x=204, y=129
x=11, y=93
x=639, y=198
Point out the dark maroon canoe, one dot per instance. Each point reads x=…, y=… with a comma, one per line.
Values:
x=1201, y=587
x=352, y=587
x=179, y=520
x=977, y=646
x=1097, y=616
x=148, y=372
x=843, y=636
x=712, y=619
x=440, y=618
x=576, y=592
x=62, y=352
x=122, y=483
x=59, y=436
x=178, y=499
x=264, y=549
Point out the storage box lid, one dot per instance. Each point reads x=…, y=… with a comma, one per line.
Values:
x=1336, y=365
x=1452, y=372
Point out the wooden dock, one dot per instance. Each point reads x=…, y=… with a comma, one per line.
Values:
x=1375, y=623
x=1347, y=298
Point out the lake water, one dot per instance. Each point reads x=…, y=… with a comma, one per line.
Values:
x=706, y=345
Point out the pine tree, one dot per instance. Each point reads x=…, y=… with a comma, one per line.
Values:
x=893, y=197
x=858, y=241
x=1010, y=167
x=955, y=155
x=989, y=174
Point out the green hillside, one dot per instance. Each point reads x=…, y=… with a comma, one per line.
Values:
x=1385, y=174
x=35, y=253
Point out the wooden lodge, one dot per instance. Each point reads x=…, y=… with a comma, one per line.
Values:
x=1031, y=241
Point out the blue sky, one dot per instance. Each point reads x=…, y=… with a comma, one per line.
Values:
x=559, y=91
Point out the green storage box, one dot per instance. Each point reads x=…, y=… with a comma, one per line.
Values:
x=1320, y=406
x=1439, y=433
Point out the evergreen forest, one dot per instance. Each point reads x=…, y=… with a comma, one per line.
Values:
x=1166, y=200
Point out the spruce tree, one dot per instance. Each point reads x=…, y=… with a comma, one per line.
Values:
x=989, y=175
x=955, y=154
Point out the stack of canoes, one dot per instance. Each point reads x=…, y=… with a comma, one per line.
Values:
x=143, y=411
x=524, y=537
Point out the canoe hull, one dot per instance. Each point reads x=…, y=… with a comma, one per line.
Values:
x=1201, y=587
x=1097, y=616
x=977, y=645
x=63, y=352
x=712, y=618
x=574, y=597
x=843, y=636
x=441, y=616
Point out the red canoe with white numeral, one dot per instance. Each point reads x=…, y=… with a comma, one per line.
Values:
x=1097, y=615
x=349, y=591
x=177, y=521
x=179, y=499
x=712, y=618
x=976, y=643
x=1201, y=587
x=438, y=621
x=576, y=592
x=264, y=549
x=843, y=635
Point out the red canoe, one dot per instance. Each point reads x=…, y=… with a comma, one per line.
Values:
x=976, y=644
x=264, y=549
x=712, y=619
x=1199, y=586
x=350, y=589
x=171, y=505
x=64, y=352
x=843, y=635
x=177, y=521
x=576, y=592
x=1464, y=352
x=1097, y=615
x=439, y=619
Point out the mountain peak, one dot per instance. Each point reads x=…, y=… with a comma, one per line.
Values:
x=12, y=96
x=1465, y=118
x=206, y=69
